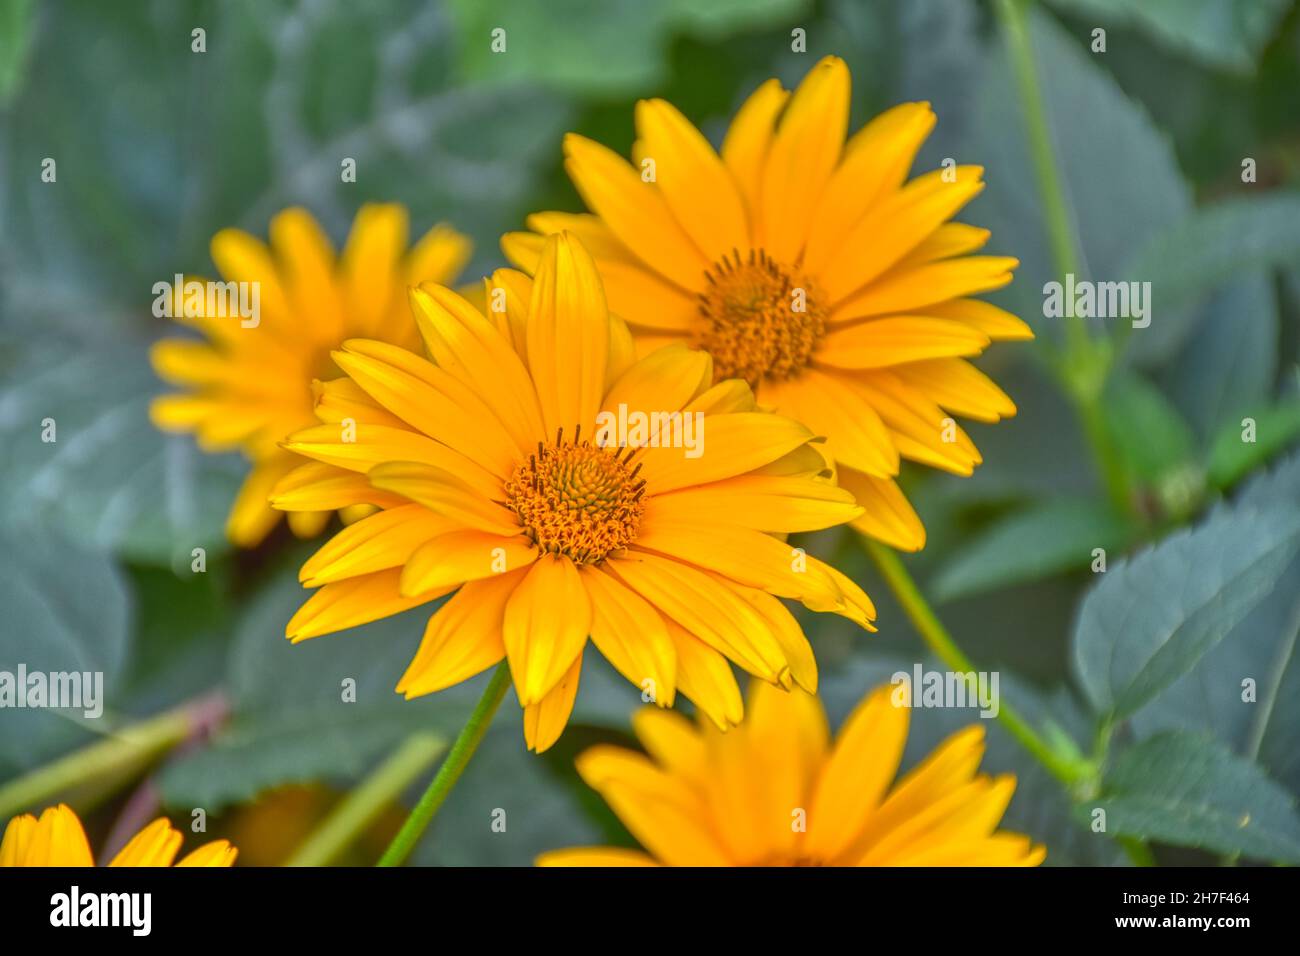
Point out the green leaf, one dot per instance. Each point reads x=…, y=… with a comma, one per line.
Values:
x=1212, y=698
x=1231, y=456
x=1187, y=790
x=65, y=609
x=1190, y=258
x=1119, y=174
x=1044, y=539
x=17, y=21
x=620, y=47
x=109, y=479
x=1152, y=437
x=1229, y=363
x=1152, y=617
x=1224, y=33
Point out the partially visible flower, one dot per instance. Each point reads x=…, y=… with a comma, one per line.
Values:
x=57, y=839
x=251, y=383
x=776, y=792
x=811, y=268
x=497, y=483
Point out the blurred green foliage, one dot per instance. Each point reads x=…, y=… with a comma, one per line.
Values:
x=158, y=147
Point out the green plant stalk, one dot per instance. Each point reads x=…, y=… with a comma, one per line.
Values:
x=363, y=805
x=458, y=758
x=937, y=638
x=128, y=750
x=1084, y=367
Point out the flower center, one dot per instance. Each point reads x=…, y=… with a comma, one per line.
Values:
x=578, y=499
x=759, y=321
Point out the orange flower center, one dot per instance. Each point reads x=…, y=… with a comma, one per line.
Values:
x=578, y=499
x=760, y=320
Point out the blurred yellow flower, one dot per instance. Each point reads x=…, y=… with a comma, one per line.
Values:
x=57, y=839
x=501, y=478
x=251, y=383
x=776, y=791
x=809, y=267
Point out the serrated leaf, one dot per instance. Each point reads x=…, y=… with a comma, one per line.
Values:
x=1152, y=617
x=1222, y=33
x=1213, y=697
x=1043, y=539
x=1188, y=790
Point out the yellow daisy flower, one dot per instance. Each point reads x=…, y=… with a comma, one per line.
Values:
x=809, y=267
x=501, y=480
x=250, y=384
x=57, y=839
x=777, y=792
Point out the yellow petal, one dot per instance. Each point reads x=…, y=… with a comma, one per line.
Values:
x=896, y=225
x=369, y=266
x=464, y=554
x=761, y=503
x=745, y=147
x=386, y=539
x=858, y=773
x=959, y=387
x=344, y=604
x=595, y=856
x=886, y=514
x=876, y=161
x=878, y=343
x=545, y=720
x=915, y=289
x=568, y=336
x=732, y=445
x=547, y=620
x=692, y=179
x=803, y=154
x=462, y=638
x=155, y=845
x=854, y=432
x=634, y=211
x=447, y=493
x=631, y=635
x=216, y=853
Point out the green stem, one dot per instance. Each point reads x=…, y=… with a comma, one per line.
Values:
x=1085, y=366
x=457, y=760
x=1137, y=851
x=363, y=805
x=119, y=756
x=939, y=641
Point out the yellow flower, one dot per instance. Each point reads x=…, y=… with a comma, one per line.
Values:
x=250, y=384
x=57, y=839
x=810, y=268
x=498, y=483
x=776, y=792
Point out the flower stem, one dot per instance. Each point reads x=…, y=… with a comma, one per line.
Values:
x=457, y=760
x=937, y=638
x=1086, y=363
x=115, y=759
x=362, y=806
